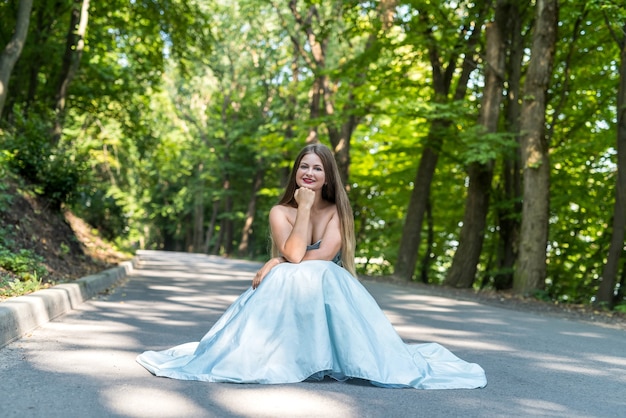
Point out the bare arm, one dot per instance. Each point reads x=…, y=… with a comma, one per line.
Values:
x=283, y=231
x=292, y=236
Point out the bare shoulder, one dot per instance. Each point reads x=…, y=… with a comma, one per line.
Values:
x=331, y=210
x=280, y=211
x=328, y=214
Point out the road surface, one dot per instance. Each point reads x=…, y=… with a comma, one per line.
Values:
x=83, y=363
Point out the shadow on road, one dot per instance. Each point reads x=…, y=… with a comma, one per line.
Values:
x=84, y=363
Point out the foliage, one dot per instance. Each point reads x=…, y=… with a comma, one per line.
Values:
x=178, y=105
x=20, y=272
x=54, y=169
x=16, y=287
x=16, y=265
x=5, y=197
x=23, y=263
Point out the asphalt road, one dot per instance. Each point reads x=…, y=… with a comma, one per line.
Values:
x=83, y=364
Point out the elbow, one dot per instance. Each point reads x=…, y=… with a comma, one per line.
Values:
x=294, y=257
x=293, y=260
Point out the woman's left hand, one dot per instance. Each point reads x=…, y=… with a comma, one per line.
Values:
x=260, y=275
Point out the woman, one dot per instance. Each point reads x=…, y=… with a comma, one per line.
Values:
x=305, y=317
x=314, y=209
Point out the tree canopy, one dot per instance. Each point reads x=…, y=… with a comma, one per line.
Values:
x=460, y=128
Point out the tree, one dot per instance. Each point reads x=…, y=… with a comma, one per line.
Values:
x=74, y=46
x=339, y=66
x=480, y=172
x=184, y=115
x=13, y=49
x=605, y=294
x=508, y=190
x=442, y=77
x=530, y=269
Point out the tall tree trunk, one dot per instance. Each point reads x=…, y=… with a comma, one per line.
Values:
x=442, y=79
x=247, y=227
x=221, y=237
x=412, y=231
x=605, y=294
x=169, y=236
x=507, y=214
x=218, y=242
x=211, y=228
x=13, y=49
x=462, y=272
x=317, y=64
x=314, y=111
x=225, y=237
x=530, y=269
x=227, y=226
x=198, y=210
x=621, y=293
x=292, y=98
x=74, y=46
x=340, y=140
x=427, y=258
x=41, y=34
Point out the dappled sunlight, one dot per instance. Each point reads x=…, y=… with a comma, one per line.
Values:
x=88, y=362
x=450, y=337
x=170, y=288
x=417, y=300
x=448, y=318
x=162, y=318
x=486, y=321
x=89, y=332
x=540, y=408
x=273, y=401
x=414, y=301
x=150, y=402
x=204, y=302
x=86, y=349
x=612, y=360
x=478, y=345
x=400, y=318
x=570, y=365
x=535, y=365
x=583, y=334
x=165, y=316
x=408, y=330
x=184, y=275
x=168, y=263
x=427, y=307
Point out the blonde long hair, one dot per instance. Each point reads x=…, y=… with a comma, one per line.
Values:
x=334, y=192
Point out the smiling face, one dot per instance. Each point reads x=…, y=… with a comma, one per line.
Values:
x=310, y=173
x=314, y=168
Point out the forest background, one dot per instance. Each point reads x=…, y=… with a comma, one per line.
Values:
x=482, y=143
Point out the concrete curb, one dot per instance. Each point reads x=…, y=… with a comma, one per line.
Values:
x=23, y=314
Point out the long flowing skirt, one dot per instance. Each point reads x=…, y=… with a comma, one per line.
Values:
x=308, y=321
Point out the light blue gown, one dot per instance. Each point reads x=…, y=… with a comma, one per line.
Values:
x=304, y=322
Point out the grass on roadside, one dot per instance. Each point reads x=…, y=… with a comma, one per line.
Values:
x=20, y=272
